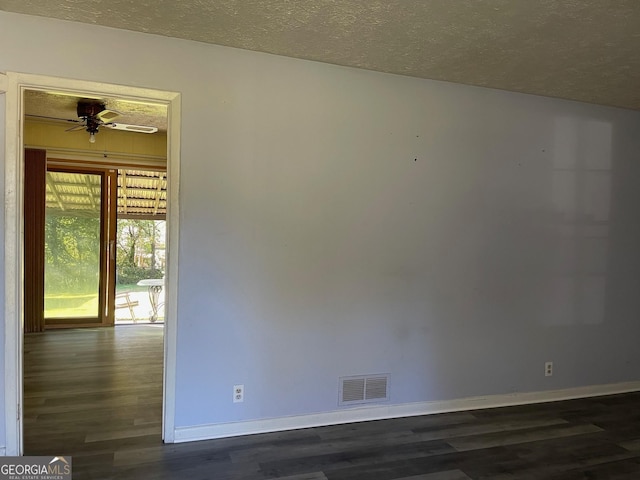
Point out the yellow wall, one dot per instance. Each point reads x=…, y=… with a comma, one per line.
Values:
x=53, y=136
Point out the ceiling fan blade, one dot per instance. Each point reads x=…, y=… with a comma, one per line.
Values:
x=53, y=118
x=77, y=127
x=131, y=128
x=107, y=116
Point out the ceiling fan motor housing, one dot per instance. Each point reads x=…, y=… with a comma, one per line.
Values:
x=89, y=108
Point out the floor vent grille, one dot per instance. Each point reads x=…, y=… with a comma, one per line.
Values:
x=363, y=389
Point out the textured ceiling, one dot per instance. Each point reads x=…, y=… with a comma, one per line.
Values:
x=586, y=50
x=63, y=107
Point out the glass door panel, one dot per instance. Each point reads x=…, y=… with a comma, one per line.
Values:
x=73, y=243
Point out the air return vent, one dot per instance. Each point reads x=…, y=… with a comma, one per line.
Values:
x=363, y=389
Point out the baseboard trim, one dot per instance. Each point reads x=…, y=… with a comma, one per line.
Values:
x=380, y=412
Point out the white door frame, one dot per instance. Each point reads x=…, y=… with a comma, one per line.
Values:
x=14, y=84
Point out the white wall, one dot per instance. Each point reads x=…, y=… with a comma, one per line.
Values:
x=339, y=222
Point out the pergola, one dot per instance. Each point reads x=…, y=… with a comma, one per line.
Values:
x=141, y=194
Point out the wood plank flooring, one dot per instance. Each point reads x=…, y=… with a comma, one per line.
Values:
x=96, y=395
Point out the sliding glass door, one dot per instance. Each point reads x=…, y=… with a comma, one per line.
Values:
x=79, y=235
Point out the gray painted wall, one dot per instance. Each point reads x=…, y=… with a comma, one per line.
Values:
x=340, y=222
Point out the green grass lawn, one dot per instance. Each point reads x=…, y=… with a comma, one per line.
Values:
x=78, y=305
x=71, y=305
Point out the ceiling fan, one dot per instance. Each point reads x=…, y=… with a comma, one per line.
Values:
x=93, y=114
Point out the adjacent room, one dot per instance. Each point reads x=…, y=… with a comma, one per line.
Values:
x=95, y=214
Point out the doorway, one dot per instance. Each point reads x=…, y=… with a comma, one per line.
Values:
x=17, y=85
x=140, y=245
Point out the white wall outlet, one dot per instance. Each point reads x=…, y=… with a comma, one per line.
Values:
x=238, y=393
x=548, y=369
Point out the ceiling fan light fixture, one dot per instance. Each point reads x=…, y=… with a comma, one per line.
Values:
x=92, y=137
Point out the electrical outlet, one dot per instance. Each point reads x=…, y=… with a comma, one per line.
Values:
x=548, y=369
x=238, y=393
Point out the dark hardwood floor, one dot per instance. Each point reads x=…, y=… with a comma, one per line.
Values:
x=96, y=395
